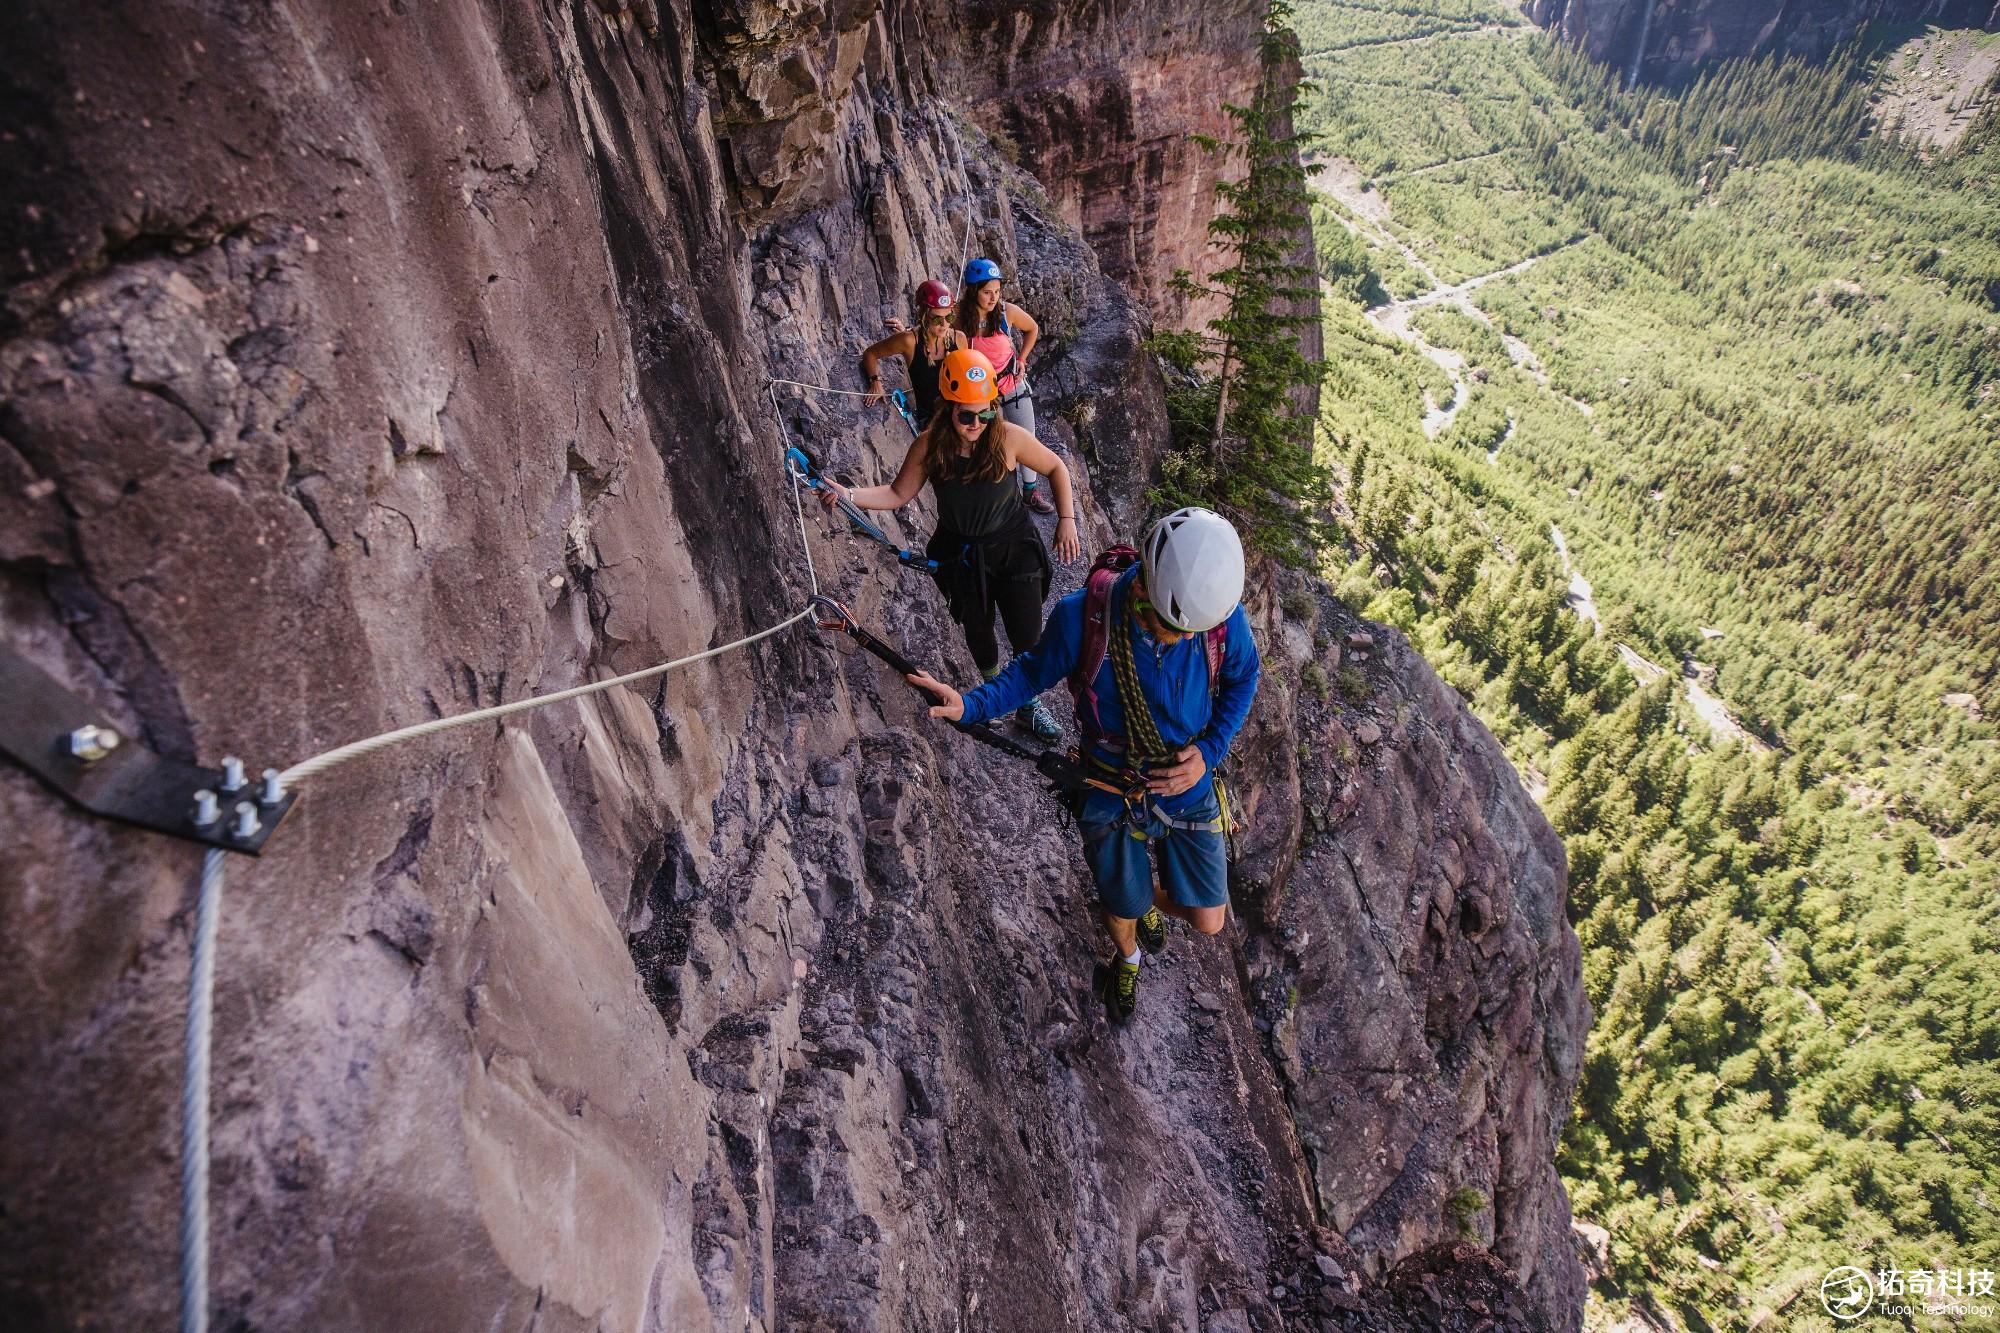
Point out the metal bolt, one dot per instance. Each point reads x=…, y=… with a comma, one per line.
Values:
x=274, y=790
x=247, y=823
x=206, y=812
x=232, y=774
x=91, y=743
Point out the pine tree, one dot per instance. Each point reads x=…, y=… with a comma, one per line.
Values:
x=1249, y=451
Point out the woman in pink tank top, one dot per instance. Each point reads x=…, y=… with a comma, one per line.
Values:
x=990, y=324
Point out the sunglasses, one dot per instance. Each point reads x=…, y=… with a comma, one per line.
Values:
x=1140, y=604
x=965, y=416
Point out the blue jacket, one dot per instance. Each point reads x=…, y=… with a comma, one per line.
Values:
x=1174, y=681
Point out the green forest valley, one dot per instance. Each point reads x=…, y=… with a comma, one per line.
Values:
x=1667, y=421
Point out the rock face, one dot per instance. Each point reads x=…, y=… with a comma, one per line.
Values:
x=365, y=365
x=1099, y=101
x=1415, y=960
x=1667, y=37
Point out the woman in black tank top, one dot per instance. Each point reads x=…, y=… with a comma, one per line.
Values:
x=922, y=348
x=990, y=554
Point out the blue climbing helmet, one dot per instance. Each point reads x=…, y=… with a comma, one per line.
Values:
x=981, y=270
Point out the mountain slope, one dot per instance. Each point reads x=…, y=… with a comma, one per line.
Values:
x=1665, y=415
x=1666, y=38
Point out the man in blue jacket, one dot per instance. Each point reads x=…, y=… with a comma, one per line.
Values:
x=1175, y=671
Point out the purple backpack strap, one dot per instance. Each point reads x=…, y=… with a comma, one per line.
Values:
x=1090, y=651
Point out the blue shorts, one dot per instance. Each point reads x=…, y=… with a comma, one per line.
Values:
x=1194, y=862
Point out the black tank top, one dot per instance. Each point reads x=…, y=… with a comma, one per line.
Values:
x=924, y=381
x=974, y=509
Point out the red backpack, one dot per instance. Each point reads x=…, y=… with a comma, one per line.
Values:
x=1104, y=572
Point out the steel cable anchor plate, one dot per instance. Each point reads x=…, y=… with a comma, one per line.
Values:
x=70, y=746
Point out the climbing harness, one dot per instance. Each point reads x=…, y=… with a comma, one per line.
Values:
x=1144, y=745
x=1106, y=634
x=802, y=468
x=1067, y=779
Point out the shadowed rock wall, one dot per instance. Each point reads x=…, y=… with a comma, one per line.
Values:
x=360, y=365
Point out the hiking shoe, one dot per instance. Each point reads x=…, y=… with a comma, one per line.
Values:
x=1035, y=716
x=1152, y=931
x=1039, y=501
x=1117, y=984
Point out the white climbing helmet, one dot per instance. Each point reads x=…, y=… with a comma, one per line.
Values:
x=1194, y=569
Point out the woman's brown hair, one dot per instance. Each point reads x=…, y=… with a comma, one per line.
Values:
x=969, y=322
x=942, y=462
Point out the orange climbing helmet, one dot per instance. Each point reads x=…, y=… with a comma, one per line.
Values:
x=967, y=377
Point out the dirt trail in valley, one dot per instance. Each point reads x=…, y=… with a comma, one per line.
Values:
x=1342, y=181
x=1713, y=712
x=1367, y=216
x=1370, y=43
x=1369, y=212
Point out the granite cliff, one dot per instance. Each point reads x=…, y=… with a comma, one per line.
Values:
x=363, y=364
x=1666, y=38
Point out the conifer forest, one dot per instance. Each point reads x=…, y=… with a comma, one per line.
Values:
x=1667, y=420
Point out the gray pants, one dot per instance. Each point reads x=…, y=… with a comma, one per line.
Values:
x=1021, y=412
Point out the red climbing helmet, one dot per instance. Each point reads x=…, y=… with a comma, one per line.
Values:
x=934, y=295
